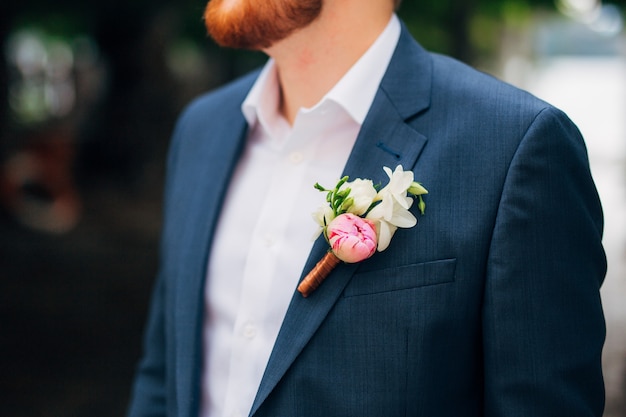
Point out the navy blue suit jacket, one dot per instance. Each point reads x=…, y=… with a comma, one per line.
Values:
x=489, y=307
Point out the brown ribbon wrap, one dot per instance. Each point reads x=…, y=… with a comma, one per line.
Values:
x=318, y=274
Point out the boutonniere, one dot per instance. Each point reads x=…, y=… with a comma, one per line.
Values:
x=360, y=219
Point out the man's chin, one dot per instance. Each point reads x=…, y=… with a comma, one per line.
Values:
x=254, y=25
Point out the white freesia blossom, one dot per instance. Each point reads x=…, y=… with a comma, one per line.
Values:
x=388, y=217
x=399, y=183
x=393, y=210
x=385, y=232
x=362, y=194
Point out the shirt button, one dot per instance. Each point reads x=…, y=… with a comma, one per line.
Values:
x=296, y=157
x=249, y=331
x=269, y=240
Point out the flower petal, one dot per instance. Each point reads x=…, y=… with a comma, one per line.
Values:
x=362, y=193
x=385, y=233
x=403, y=218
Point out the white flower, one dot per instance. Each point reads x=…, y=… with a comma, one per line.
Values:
x=387, y=225
x=394, y=203
x=385, y=232
x=362, y=194
x=399, y=183
x=322, y=216
x=393, y=210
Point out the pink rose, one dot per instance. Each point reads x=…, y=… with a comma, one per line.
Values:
x=352, y=238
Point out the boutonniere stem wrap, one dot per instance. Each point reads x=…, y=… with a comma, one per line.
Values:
x=360, y=219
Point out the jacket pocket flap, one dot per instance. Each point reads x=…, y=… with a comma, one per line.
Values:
x=401, y=278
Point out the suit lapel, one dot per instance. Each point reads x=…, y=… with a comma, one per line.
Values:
x=385, y=139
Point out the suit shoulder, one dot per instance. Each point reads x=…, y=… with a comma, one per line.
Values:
x=456, y=82
x=220, y=108
x=224, y=99
x=478, y=111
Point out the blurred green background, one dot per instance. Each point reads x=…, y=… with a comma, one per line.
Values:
x=89, y=93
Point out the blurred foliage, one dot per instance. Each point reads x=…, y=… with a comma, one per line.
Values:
x=135, y=38
x=465, y=29
x=469, y=30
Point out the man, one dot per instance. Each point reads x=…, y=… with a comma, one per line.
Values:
x=488, y=307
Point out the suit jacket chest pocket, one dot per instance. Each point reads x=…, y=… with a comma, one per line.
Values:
x=401, y=278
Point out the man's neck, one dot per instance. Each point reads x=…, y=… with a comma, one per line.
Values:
x=311, y=61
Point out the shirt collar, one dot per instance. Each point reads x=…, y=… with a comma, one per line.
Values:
x=354, y=92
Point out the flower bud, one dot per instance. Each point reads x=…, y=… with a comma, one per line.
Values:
x=352, y=238
x=417, y=189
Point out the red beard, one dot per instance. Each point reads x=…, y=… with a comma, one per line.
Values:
x=257, y=24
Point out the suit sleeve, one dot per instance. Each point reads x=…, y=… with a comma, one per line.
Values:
x=542, y=315
x=148, y=395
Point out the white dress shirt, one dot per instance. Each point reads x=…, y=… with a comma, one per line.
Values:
x=266, y=230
